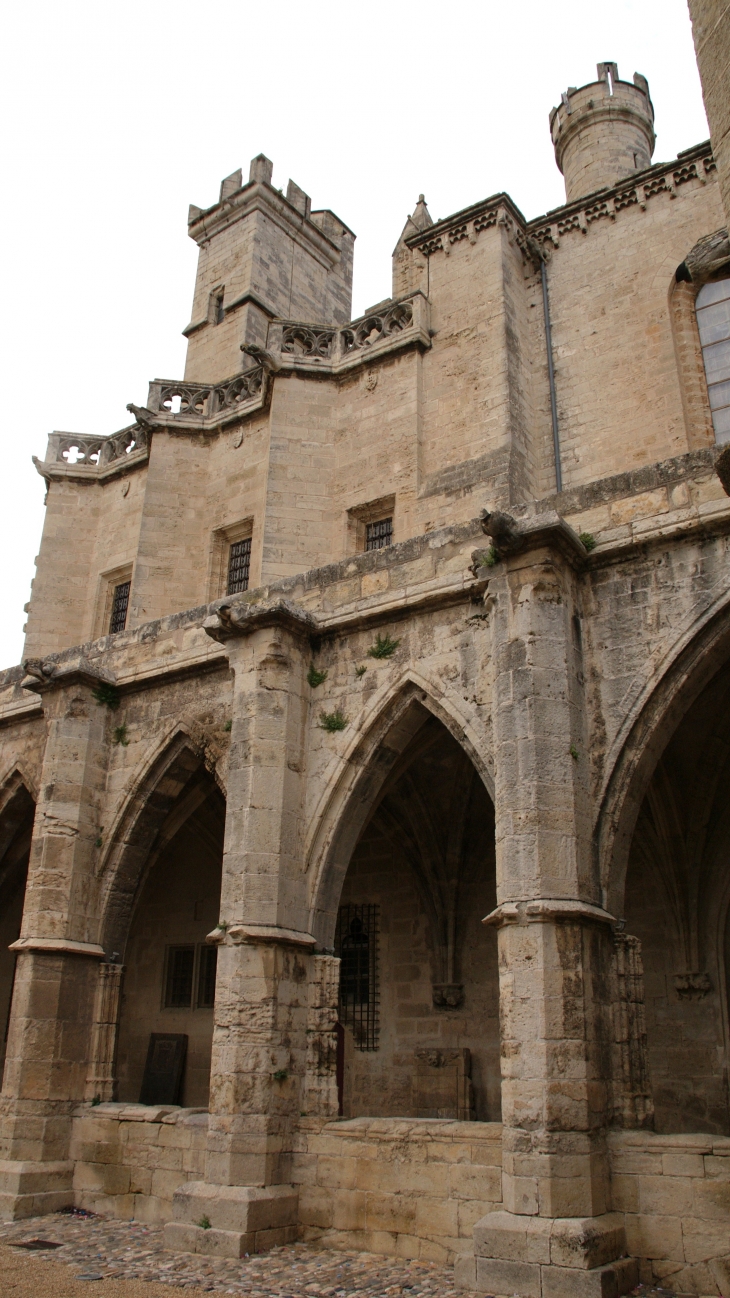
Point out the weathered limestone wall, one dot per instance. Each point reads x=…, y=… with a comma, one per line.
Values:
x=413, y=1189
x=130, y=1158
x=619, y=400
x=674, y=1192
x=90, y=529
x=711, y=31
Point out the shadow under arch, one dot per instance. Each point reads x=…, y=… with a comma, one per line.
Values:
x=689, y=672
x=17, y=814
x=173, y=786
x=389, y=740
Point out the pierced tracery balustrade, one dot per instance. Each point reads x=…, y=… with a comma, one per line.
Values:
x=95, y=452
x=307, y=342
x=243, y=388
x=184, y=399
x=376, y=326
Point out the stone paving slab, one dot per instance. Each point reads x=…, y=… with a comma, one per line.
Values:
x=124, y=1250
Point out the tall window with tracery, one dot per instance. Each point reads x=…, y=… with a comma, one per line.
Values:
x=713, y=319
x=356, y=943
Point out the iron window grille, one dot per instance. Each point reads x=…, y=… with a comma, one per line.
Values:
x=120, y=605
x=239, y=566
x=190, y=968
x=356, y=943
x=378, y=535
x=206, y=976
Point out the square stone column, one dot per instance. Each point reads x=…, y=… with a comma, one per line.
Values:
x=265, y=960
x=554, y=939
x=57, y=967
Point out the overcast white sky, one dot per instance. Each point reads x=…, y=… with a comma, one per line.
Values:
x=118, y=116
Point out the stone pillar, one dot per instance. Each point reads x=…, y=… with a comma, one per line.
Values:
x=320, y=1087
x=265, y=961
x=632, y=1102
x=50, y=1024
x=556, y=1232
x=101, y=1083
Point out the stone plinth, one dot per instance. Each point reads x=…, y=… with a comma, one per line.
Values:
x=231, y=1220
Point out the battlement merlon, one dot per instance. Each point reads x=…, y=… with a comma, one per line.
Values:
x=603, y=132
x=263, y=255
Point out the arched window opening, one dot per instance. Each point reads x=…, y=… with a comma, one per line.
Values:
x=168, y=993
x=713, y=320
x=16, y=829
x=419, y=993
x=677, y=902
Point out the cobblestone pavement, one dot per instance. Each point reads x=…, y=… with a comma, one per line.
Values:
x=102, y=1248
x=105, y=1248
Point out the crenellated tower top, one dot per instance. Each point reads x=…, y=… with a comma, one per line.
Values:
x=603, y=131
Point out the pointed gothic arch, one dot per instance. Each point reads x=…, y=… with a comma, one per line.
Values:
x=356, y=779
x=697, y=655
x=150, y=815
x=17, y=813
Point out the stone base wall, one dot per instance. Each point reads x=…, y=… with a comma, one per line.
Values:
x=130, y=1158
x=415, y=1188
x=674, y=1192
x=407, y=1187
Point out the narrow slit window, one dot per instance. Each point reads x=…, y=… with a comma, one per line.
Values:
x=378, y=535
x=206, y=976
x=356, y=943
x=179, y=981
x=239, y=566
x=120, y=606
x=219, y=313
x=713, y=320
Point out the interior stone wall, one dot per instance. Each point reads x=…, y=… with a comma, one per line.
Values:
x=178, y=904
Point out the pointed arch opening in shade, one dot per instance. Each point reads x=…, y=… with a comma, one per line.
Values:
x=17, y=811
x=163, y=898
x=408, y=872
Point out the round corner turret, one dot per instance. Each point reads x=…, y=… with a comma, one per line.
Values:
x=603, y=132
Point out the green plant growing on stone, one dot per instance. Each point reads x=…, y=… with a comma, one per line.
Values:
x=332, y=721
x=96, y=1100
x=315, y=677
x=204, y=1222
x=99, y=841
x=107, y=695
x=360, y=671
x=574, y=752
x=489, y=558
x=120, y=736
x=228, y=724
x=281, y=1075
x=384, y=647
x=588, y=539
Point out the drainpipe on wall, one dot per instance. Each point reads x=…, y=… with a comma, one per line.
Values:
x=551, y=376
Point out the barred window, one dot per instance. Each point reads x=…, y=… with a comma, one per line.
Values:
x=239, y=566
x=356, y=943
x=378, y=535
x=206, y=976
x=120, y=605
x=179, y=980
x=713, y=319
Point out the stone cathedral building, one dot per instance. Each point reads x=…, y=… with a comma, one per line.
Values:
x=364, y=792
